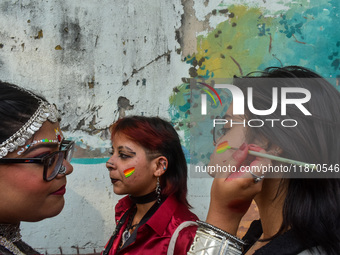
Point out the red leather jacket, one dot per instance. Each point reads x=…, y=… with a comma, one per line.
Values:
x=153, y=237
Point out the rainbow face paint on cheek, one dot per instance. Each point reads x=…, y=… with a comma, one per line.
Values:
x=128, y=172
x=222, y=147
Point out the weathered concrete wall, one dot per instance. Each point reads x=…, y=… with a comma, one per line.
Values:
x=98, y=60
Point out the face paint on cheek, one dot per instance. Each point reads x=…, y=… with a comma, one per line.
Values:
x=128, y=172
x=222, y=147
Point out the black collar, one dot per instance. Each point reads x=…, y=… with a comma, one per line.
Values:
x=152, y=196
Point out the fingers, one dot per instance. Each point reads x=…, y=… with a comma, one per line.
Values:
x=251, y=168
x=243, y=165
x=232, y=193
x=256, y=166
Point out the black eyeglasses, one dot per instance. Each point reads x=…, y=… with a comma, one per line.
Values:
x=53, y=162
x=218, y=131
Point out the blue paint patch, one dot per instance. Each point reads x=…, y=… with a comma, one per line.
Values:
x=89, y=161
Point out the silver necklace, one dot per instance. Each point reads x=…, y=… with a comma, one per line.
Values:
x=126, y=234
x=8, y=235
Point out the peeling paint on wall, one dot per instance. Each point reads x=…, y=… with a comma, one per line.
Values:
x=250, y=39
x=190, y=26
x=123, y=105
x=101, y=61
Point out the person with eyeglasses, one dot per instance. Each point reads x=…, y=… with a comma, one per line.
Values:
x=298, y=205
x=34, y=161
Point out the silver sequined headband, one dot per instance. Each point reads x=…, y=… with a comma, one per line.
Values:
x=44, y=112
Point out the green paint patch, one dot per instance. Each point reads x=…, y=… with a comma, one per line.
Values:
x=252, y=39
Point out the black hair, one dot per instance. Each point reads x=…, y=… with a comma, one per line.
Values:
x=312, y=205
x=17, y=105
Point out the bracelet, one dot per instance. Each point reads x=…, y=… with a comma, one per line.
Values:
x=214, y=241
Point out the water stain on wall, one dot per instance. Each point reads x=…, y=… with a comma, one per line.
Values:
x=71, y=36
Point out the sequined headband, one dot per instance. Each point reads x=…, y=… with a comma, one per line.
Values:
x=44, y=112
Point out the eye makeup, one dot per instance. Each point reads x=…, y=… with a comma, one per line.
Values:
x=58, y=135
x=58, y=140
x=125, y=151
x=22, y=150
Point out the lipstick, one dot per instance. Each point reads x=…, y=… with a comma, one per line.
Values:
x=60, y=191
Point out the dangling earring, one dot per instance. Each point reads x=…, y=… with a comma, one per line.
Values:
x=158, y=191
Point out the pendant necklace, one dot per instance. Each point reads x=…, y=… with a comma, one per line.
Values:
x=126, y=234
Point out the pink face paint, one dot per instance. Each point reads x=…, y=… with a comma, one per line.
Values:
x=222, y=147
x=128, y=172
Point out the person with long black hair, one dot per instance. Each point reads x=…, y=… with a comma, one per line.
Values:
x=299, y=209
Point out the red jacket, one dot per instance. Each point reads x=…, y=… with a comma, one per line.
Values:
x=154, y=236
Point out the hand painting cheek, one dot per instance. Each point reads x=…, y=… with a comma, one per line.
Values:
x=241, y=154
x=254, y=147
x=234, y=175
x=128, y=172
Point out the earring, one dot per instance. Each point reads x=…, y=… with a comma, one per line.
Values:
x=164, y=168
x=158, y=191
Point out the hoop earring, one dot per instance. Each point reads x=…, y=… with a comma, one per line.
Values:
x=158, y=191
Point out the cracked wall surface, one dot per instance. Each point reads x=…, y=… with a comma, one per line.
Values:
x=101, y=60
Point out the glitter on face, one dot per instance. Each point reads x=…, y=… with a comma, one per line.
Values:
x=58, y=141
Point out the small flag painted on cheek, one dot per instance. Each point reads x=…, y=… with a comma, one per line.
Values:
x=128, y=172
x=222, y=147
